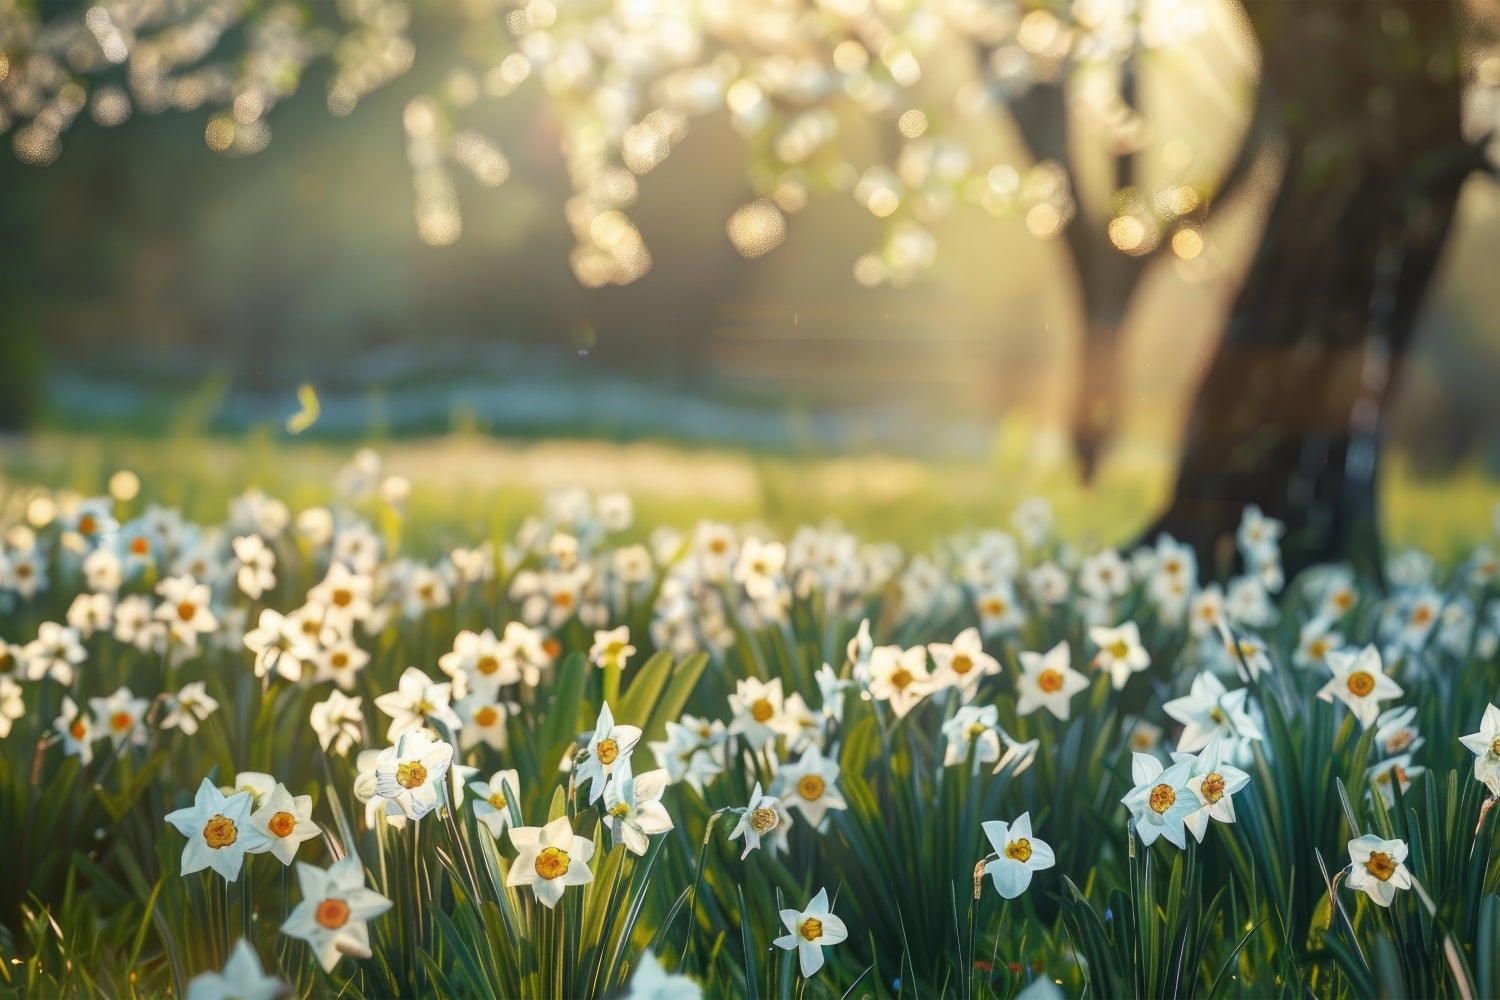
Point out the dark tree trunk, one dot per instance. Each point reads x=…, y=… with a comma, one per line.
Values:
x=1289, y=414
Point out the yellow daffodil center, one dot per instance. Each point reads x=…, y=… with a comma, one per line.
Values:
x=7, y=662
x=1019, y=850
x=121, y=721
x=718, y=546
x=1399, y=742
x=1495, y=747
x=1119, y=649
x=338, y=660
x=411, y=774
x=219, y=831
x=552, y=863
x=811, y=787
x=974, y=729
x=496, y=801
x=1216, y=714
x=620, y=810
x=900, y=678
x=962, y=663
x=608, y=751
x=1360, y=683
x=1380, y=865
x=994, y=607
x=1421, y=615
x=1318, y=648
x=563, y=599
x=761, y=710
x=811, y=929
x=764, y=820
x=332, y=914
x=1162, y=797
x=1213, y=786
x=1343, y=600
x=486, y=716
x=187, y=610
x=342, y=598
x=1050, y=681
x=282, y=824
x=487, y=665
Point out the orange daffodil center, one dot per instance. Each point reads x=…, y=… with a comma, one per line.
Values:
x=1380, y=865
x=811, y=929
x=220, y=831
x=1162, y=798
x=1360, y=683
x=332, y=914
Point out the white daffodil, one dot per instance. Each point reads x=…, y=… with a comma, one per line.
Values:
x=1019, y=855
x=1315, y=640
x=339, y=662
x=121, y=717
x=339, y=722
x=185, y=609
x=765, y=817
x=218, y=831
x=609, y=748
x=1048, y=681
x=550, y=858
x=1375, y=867
x=277, y=646
x=1396, y=731
x=973, y=730
x=484, y=722
x=809, y=786
x=633, y=809
x=962, y=663
x=335, y=910
x=258, y=783
x=286, y=822
x=1210, y=710
x=1359, y=682
x=1213, y=782
x=1485, y=745
x=1120, y=651
x=1161, y=800
x=242, y=979
x=998, y=609
x=612, y=648
x=53, y=653
x=418, y=703
x=756, y=705
x=1018, y=756
x=495, y=799
x=90, y=613
x=77, y=731
x=650, y=981
x=692, y=750
x=12, y=707
x=1398, y=771
x=484, y=663
x=410, y=773
x=899, y=677
x=254, y=565
x=811, y=930
x=189, y=707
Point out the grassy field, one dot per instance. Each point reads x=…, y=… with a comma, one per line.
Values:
x=462, y=484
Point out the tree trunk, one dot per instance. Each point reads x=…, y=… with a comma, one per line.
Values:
x=1290, y=411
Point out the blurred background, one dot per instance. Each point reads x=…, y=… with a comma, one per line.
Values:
x=831, y=297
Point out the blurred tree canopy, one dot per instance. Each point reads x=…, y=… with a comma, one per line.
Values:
x=1364, y=119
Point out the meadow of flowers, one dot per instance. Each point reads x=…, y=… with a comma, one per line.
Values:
x=286, y=754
